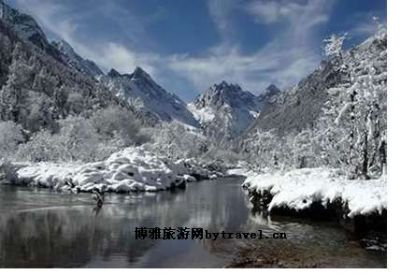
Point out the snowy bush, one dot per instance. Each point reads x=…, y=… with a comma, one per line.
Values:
x=267, y=149
x=118, y=125
x=106, y=132
x=177, y=141
x=76, y=140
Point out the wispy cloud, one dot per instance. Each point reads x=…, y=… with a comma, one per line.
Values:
x=290, y=52
x=221, y=13
x=283, y=60
x=367, y=24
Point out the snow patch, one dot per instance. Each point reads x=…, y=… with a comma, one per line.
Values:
x=133, y=169
x=298, y=189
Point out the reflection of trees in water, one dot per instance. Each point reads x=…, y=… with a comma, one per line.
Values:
x=39, y=240
x=76, y=236
x=64, y=239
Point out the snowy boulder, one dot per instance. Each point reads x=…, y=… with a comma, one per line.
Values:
x=189, y=178
x=213, y=177
x=121, y=187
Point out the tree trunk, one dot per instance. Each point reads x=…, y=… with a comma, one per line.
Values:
x=364, y=170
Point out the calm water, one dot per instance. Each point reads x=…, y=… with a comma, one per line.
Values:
x=41, y=228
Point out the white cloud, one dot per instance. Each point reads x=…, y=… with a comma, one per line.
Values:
x=254, y=72
x=367, y=26
x=284, y=60
x=274, y=11
x=220, y=12
x=300, y=17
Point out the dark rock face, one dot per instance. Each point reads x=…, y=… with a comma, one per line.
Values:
x=113, y=73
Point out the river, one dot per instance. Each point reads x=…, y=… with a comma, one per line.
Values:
x=43, y=228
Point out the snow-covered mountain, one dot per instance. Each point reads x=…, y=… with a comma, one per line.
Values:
x=26, y=28
x=37, y=85
x=70, y=57
x=225, y=110
x=138, y=90
x=270, y=94
x=142, y=92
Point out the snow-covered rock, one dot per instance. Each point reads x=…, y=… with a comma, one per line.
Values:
x=298, y=189
x=133, y=169
x=141, y=91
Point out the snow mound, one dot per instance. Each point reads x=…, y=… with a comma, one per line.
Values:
x=133, y=169
x=298, y=189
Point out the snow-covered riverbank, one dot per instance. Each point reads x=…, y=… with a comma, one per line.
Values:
x=133, y=169
x=299, y=189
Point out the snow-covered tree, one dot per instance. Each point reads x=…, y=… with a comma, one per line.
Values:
x=261, y=149
x=114, y=122
x=334, y=44
x=353, y=127
x=10, y=137
x=77, y=140
x=177, y=141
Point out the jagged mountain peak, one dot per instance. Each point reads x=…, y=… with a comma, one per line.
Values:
x=137, y=75
x=140, y=73
x=224, y=86
x=269, y=93
x=227, y=95
x=272, y=89
x=113, y=73
x=140, y=90
x=225, y=110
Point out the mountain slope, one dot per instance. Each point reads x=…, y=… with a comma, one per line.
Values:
x=26, y=28
x=70, y=57
x=225, y=110
x=301, y=106
x=53, y=81
x=37, y=89
x=142, y=92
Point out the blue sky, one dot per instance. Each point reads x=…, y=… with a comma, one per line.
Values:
x=189, y=45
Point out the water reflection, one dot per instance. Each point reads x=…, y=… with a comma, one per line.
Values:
x=40, y=228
